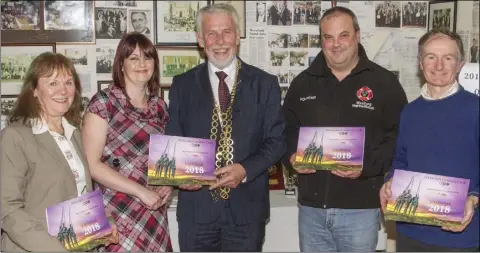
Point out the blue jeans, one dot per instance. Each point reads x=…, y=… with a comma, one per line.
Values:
x=335, y=229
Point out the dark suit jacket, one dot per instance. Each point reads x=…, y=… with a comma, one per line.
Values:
x=258, y=136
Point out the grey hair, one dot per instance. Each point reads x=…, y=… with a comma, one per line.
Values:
x=343, y=10
x=452, y=35
x=221, y=8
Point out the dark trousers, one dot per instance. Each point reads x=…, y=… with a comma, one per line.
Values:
x=406, y=244
x=221, y=235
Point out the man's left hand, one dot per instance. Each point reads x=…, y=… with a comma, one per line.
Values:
x=472, y=201
x=230, y=176
x=347, y=173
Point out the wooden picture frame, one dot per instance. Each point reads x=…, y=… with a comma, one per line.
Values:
x=442, y=14
x=177, y=60
x=103, y=84
x=44, y=22
x=164, y=93
x=241, y=7
x=172, y=26
x=16, y=59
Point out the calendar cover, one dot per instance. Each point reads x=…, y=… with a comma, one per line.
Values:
x=81, y=224
x=330, y=148
x=174, y=160
x=427, y=198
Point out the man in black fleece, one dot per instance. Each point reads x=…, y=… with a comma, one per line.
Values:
x=339, y=210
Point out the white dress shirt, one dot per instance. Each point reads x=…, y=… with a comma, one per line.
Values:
x=65, y=144
x=453, y=89
x=229, y=70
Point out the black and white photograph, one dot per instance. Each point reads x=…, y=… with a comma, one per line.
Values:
x=20, y=15
x=7, y=104
x=164, y=94
x=279, y=12
x=388, y=14
x=298, y=58
x=299, y=13
x=473, y=50
x=15, y=61
x=77, y=55
x=110, y=23
x=65, y=15
x=292, y=74
x=414, y=14
x=442, y=15
x=105, y=57
x=314, y=41
x=261, y=13
x=140, y=21
x=278, y=40
x=103, y=84
x=313, y=10
x=281, y=73
x=279, y=58
x=176, y=22
x=298, y=40
x=119, y=3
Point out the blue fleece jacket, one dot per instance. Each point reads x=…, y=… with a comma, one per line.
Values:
x=441, y=137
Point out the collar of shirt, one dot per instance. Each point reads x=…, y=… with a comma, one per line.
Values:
x=40, y=127
x=229, y=70
x=453, y=89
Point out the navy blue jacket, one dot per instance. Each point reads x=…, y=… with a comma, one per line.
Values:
x=258, y=136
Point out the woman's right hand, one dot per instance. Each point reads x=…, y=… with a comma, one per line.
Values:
x=150, y=199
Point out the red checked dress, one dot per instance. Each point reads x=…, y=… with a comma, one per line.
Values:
x=126, y=151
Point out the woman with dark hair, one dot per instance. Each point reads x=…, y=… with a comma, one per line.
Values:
x=42, y=161
x=116, y=132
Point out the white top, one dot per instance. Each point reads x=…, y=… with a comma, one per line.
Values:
x=65, y=144
x=424, y=92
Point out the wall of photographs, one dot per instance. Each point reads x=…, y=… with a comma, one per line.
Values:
x=280, y=37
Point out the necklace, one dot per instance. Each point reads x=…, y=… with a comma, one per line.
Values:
x=224, y=152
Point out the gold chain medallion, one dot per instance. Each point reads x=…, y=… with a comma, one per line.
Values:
x=224, y=154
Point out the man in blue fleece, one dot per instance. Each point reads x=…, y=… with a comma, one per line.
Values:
x=439, y=134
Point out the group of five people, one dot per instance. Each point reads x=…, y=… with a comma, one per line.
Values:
x=46, y=159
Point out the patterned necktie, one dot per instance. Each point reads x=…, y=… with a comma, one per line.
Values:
x=223, y=92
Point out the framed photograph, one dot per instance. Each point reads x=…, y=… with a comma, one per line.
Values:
x=140, y=21
x=164, y=95
x=175, y=22
x=110, y=23
x=178, y=60
x=15, y=62
x=105, y=55
x=103, y=84
x=240, y=6
x=442, y=15
x=7, y=102
x=48, y=21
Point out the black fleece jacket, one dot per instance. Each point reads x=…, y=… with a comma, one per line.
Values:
x=317, y=98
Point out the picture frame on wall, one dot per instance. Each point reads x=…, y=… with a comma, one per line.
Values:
x=175, y=22
x=7, y=102
x=442, y=15
x=103, y=84
x=177, y=60
x=164, y=93
x=48, y=21
x=240, y=6
x=16, y=59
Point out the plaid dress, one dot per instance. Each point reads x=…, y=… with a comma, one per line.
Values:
x=126, y=151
